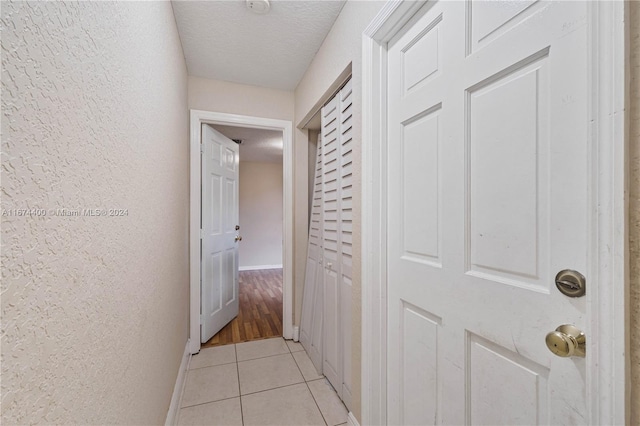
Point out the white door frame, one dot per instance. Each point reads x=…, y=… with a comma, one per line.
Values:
x=606, y=337
x=198, y=118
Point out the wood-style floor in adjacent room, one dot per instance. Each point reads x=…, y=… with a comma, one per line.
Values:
x=260, y=315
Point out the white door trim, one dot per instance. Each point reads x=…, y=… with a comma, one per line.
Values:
x=606, y=389
x=198, y=118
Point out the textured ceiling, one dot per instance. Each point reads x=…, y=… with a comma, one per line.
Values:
x=224, y=40
x=257, y=144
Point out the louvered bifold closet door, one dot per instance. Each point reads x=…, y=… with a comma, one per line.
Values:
x=345, y=236
x=337, y=213
x=311, y=334
x=332, y=343
x=328, y=280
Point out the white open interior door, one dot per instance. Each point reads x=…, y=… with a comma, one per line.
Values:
x=487, y=202
x=312, y=301
x=219, y=261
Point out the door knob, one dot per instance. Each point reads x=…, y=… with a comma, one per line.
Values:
x=566, y=341
x=238, y=238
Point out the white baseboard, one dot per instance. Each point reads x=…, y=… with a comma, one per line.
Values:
x=351, y=420
x=172, y=414
x=258, y=267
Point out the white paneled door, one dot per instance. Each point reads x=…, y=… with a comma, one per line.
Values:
x=487, y=195
x=219, y=287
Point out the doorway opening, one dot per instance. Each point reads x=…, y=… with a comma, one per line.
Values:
x=247, y=124
x=260, y=225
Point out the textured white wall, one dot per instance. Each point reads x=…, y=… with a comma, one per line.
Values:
x=343, y=45
x=94, y=115
x=260, y=214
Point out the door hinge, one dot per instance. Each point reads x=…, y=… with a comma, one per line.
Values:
x=201, y=233
x=201, y=148
x=201, y=319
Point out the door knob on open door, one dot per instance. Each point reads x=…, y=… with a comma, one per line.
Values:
x=238, y=238
x=567, y=341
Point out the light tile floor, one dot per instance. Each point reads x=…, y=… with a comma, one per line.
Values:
x=264, y=382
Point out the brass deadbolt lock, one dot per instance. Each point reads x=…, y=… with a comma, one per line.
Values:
x=566, y=341
x=571, y=283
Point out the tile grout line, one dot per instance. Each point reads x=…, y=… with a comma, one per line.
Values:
x=215, y=365
x=235, y=350
x=268, y=356
x=240, y=395
x=316, y=402
x=270, y=389
x=263, y=357
x=244, y=360
x=312, y=395
x=250, y=393
x=209, y=402
x=324, y=378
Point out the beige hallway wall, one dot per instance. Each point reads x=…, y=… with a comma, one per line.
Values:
x=94, y=116
x=233, y=98
x=260, y=214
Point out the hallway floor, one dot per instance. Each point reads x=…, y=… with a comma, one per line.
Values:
x=264, y=382
x=260, y=310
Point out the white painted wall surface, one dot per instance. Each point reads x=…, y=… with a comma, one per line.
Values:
x=94, y=115
x=260, y=214
x=233, y=98
x=343, y=45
